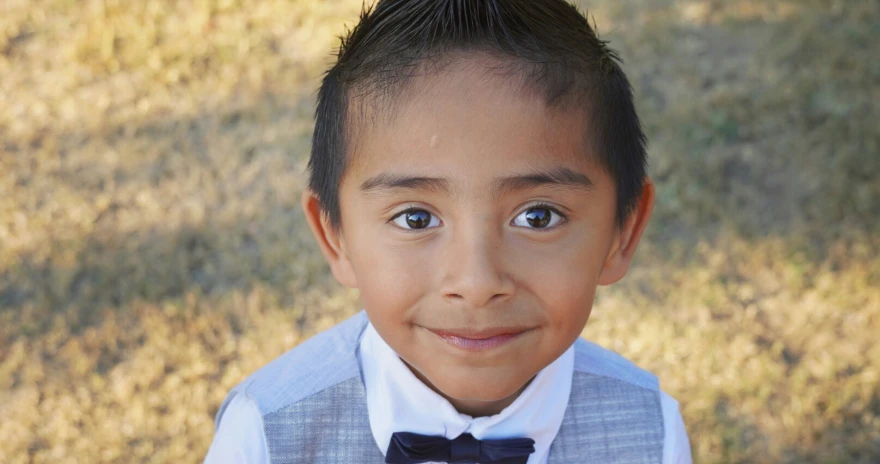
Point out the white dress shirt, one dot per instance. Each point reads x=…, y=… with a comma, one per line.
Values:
x=398, y=401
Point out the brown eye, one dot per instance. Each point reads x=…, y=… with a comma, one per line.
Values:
x=418, y=219
x=538, y=217
x=415, y=219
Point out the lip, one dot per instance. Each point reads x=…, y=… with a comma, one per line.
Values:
x=479, y=340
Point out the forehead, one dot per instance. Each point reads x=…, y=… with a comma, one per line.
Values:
x=470, y=122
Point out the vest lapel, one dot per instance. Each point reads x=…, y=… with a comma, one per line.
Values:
x=609, y=421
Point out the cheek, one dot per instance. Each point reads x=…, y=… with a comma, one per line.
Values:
x=566, y=297
x=391, y=278
x=564, y=279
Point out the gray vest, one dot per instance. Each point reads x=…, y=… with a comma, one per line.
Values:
x=314, y=405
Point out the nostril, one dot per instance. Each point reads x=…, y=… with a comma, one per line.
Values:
x=456, y=297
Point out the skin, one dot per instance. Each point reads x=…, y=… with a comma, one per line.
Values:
x=479, y=264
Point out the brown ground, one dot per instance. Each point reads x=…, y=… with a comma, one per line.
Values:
x=152, y=252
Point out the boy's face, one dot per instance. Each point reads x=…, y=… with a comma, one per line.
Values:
x=476, y=226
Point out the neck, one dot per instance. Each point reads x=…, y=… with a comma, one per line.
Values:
x=477, y=408
x=473, y=408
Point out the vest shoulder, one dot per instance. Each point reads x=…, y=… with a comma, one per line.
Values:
x=594, y=359
x=325, y=360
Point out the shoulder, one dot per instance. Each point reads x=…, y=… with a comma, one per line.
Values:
x=240, y=438
x=612, y=401
x=676, y=444
x=323, y=361
x=590, y=358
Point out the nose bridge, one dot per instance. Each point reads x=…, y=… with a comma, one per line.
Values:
x=475, y=270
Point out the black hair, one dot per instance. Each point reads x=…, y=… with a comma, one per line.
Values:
x=548, y=45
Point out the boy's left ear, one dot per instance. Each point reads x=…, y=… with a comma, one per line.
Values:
x=627, y=238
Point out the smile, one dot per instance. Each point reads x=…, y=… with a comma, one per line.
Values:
x=479, y=340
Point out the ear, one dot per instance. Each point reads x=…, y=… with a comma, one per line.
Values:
x=331, y=243
x=626, y=239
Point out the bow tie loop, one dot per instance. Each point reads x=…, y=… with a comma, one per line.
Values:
x=414, y=448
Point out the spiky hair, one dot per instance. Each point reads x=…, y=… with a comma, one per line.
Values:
x=546, y=46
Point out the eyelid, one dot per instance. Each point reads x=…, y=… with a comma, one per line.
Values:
x=543, y=204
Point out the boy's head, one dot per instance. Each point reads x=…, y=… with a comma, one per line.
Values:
x=477, y=169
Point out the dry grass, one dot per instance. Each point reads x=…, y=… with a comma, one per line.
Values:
x=152, y=252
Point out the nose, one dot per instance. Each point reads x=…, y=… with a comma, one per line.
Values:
x=475, y=269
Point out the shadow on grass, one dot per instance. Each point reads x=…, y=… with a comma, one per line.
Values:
x=206, y=205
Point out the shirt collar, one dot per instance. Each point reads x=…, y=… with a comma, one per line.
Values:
x=397, y=401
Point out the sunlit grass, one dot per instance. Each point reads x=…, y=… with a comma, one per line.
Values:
x=152, y=251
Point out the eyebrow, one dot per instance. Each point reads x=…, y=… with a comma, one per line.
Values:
x=392, y=181
x=557, y=177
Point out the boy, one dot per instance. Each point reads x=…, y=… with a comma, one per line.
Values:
x=477, y=169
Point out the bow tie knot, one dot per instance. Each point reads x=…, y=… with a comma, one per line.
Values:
x=413, y=448
x=464, y=449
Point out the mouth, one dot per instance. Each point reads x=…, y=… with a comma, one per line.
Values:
x=479, y=340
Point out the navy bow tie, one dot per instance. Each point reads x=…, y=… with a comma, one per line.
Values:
x=413, y=448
